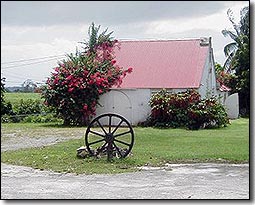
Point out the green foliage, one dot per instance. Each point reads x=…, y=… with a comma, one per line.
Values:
x=6, y=107
x=27, y=107
x=15, y=97
x=186, y=109
x=42, y=118
x=2, y=89
x=238, y=58
x=208, y=113
x=240, y=29
x=96, y=38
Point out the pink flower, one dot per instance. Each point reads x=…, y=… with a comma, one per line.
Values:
x=85, y=72
x=56, y=80
x=69, y=77
x=99, y=81
x=113, y=62
x=85, y=107
x=70, y=90
x=129, y=70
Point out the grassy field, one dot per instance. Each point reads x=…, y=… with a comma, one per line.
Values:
x=153, y=147
x=16, y=97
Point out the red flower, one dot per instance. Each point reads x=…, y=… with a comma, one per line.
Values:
x=85, y=72
x=70, y=90
x=99, y=81
x=113, y=62
x=129, y=70
x=69, y=77
x=56, y=80
x=85, y=107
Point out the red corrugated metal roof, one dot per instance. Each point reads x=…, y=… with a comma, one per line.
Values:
x=162, y=63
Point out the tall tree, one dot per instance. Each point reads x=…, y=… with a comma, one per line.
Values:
x=238, y=58
x=240, y=29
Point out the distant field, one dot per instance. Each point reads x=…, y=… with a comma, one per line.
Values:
x=16, y=97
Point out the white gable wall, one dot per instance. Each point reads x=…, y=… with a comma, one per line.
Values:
x=208, y=82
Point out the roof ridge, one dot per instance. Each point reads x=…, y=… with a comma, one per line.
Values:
x=159, y=40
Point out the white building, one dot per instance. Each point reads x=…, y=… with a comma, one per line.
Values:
x=175, y=65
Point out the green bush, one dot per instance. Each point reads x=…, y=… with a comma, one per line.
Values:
x=28, y=106
x=6, y=108
x=42, y=118
x=186, y=109
x=208, y=113
x=30, y=110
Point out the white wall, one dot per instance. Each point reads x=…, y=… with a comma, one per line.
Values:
x=133, y=104
x=208, y=82
x=232, y=106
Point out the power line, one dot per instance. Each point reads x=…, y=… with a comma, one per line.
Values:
x=14, y=66
x=31, y=59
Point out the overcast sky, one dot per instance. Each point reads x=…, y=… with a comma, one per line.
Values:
x=38, y=29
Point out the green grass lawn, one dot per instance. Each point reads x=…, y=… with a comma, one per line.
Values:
x=152, y=146
x=14, y=98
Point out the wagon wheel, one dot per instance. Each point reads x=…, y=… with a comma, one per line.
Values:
x=114, y=140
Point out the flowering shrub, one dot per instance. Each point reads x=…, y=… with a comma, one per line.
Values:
x=75, y=86
x=186, y=109
x=207, y=113
x=170, y=110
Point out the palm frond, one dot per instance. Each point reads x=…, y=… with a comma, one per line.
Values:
x=93, y=34
x=227, y=64
x=231, y=34
x=232, y=20
x=230, y=48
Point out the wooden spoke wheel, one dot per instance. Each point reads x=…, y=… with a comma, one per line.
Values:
x=109, y=135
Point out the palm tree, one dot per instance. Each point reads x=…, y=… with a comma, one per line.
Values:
x=95, y=38
x=238, y=59
x=240, y=30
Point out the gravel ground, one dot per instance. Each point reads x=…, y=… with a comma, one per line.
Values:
x=175, y=181
x=25, y=142
x=19, y=139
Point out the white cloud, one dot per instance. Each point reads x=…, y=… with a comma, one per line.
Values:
x=216, y=22
x=38, y=72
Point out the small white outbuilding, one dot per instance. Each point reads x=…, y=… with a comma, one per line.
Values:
x=175, y=65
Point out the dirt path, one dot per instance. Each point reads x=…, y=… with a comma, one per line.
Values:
x=19, y=139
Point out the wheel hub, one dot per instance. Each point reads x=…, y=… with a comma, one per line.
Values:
x=109, y=137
